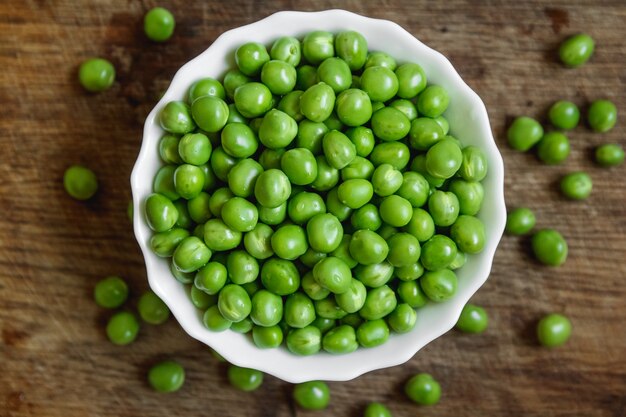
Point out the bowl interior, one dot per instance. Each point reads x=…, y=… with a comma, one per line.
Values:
x=469, y=123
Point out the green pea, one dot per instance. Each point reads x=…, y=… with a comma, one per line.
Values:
x=366, y=217
x=234, y=303
x=380, y=83
x=312, y=395
x=553, y=148
x=191, y=254
x=438, y=252
x=273, y=216
x=404, y=250
x=164, y=182
x=211, y=278
x=424, y=133
x=280, y=276
x=272, y=188
x=374, y=275
x=335, y=72
x=312, y=288
x=602, y=115
x=267, y=308
x=152, y=309
x=367, y=247
x=351, y=47
x=323, y=324
x=317, y=102
x=576, y=186
x=338, y=149
x=198, y=208
x=380, y=59
x=188, y=181
x=363, y=140
x=609, y=155
x=80, y=182
x=110, y=292
x=210, y=179
x=242, y=177
x=239, y=214
x=468, y=232
x=444, y=159
x=250, y=58
x=299, y=310
x=299, y=165
x=409, y=272
x=333, y=274
x=354, y=107
x=376, y=410
x=459, y=260
x=168, y=149
x=419, y=165
x=243, y=327
x=473, y=165
x=278, y=76
x=277, y=129
x=396, y=154
x=209, y=113
x=340, y=340
x=122, y=328
x=206, y=87
x=253, y=99
x=218, y=199
x=182, y=277
x=524, y=133
x=402, y=319
x=290, y=104
x=328, y=308
x=379, y=303
x=576, y=50
x=415, y=189
x=304, y=341
x=161, y=214
x=372, y=333
x=359, y=168
x=184, y=220
x=386, y=231
x=175, y=117
x=219, y=237
x=201, y=299
x=554, y=330
x=520, y=221
x=214, y=321
x=390, y=124
x=443, y=207
x=166, y=376
x=407, y=108
x=445, y=126
x=233, y=80
x=327, y=175
x=412, y=294
x=411, y=80
x=433, y=101
x=423, y=389
x=96, y=74
x=289, y=242
x=242, y=267
x=245, y=379
x=287, y=49
x=306, y=76
x=395, y=211
x=336, y=207
x=564, y=115
x=353, y=299
x=549, y=247
x=473, y=319
x=469, y=194
x=270, y=158
x=310, y=135
x=238, y=140
x=343, y=251
x=267, y=337
x=304, y=206
x=324, y=232
x=439, y=285
x=355, y=193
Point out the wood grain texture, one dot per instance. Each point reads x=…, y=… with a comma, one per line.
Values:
x=54, y=357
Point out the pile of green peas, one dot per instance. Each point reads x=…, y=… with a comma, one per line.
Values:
x=315, y=197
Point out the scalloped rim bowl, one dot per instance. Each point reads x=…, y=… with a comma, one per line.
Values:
x=467, y=116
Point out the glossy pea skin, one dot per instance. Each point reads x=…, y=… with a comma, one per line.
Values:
x=367, y=247
x=287, y=49
x=473, y=165
x=304, y=206
x=333, y=274
x=351, y=46
x=188, y=181
x=549, y=247
x=438, y=252
x=363, y=140
x=473, y=319
x=152, y=309
x=554, y=330
x=404, y=250
x=353, y=299
x=390, y=124
x=278, y=76
x=366, y=217
x=299, y=165
x=414, y=188
x=96, y=74
x=253, y=99
x=239, y=214
x=161, y=214
x=433, y=101
x=245, y=379
x=311, y=257
x=234, y=303
x=376, y=410
x=359, y=168
x=323, y=324
x=233, y=80
x=564, y=115
x=289, y=242
x=374, y=275
x=439, y=285
x=211, y=278
x=206, y=87
x=217, y=200
x=470, y=195
x=310, y=135
x=402, y=319
x=380, y=59
x=195, y=148
x=602, y=115
x=409, y=272
x=312, y=395
x=444, y=159
x=158, y=24
x=299, y=311
x=576, y=50
x=327, y=308
x=423, y=389
x=338, y=149
x=397, y=154
x=110, y=292
x=273, y=216
x=290, y=104
x=343, y=251
x=176, y=117
x=272, y=188
x=219, y=237
x=200, y=299
x=520, y=221
x=306, y=76
x=166, y=376
x=267, y=308
x=327, y=175
x=182, y=277
x=238, y=140
x=335, y=73
x=250, y=58
x=317, y=46
x=184, y=220
x=411, y=80
x=164, y=182
x=221, y=163
x=280, y=276
x=576, y=185
x=354, y=107
x=210, y=113
x=198, y=208
x=355, y=193
x=191, y=254
x=277, y=130
x=553, y=148
x=317, y=102
x=524, y=133
x=214, y=321
x=609, y=155
x=443, y=206
x=424, y=133
x=304, y=341
x=267, y=337
x=242, y=267
x=122, y=328
x=380, y=83
x=379, y=303
x=468, y=232
x=168, y=149
x=411, y=293
x=324, y=232
x=242, y=177
x=395, y=211
x=80, y=182
x=372, y=333
x=340, y=340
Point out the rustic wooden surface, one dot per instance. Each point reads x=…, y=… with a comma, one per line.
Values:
x=54, y=357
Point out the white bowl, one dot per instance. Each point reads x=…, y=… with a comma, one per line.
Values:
x=467, y=116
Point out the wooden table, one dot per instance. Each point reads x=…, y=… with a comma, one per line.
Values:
x=54, y=357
